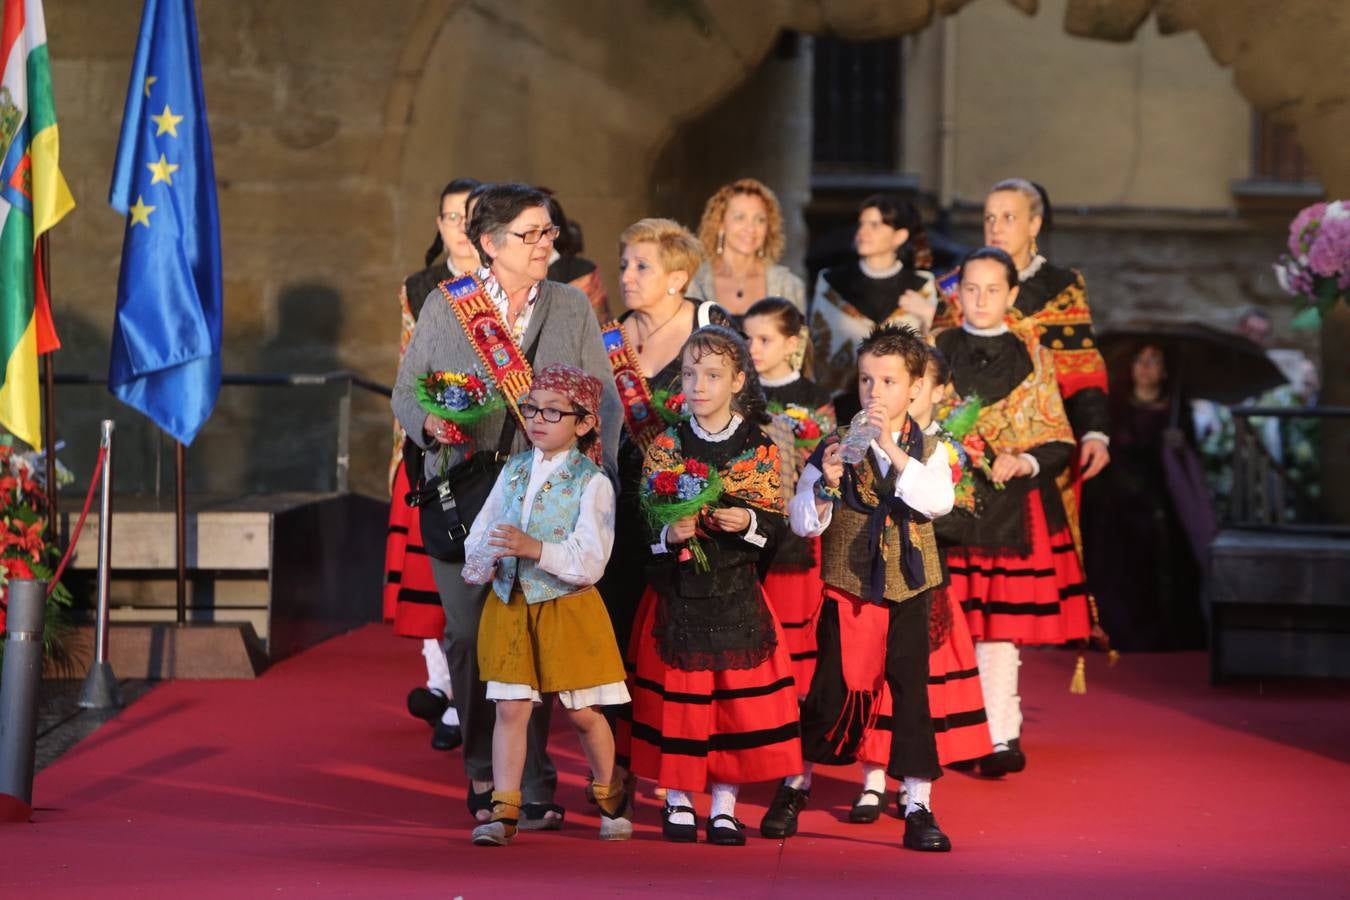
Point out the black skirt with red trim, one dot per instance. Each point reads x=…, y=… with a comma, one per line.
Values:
x=1039, y=598
x=411, y=600
x=692, y=729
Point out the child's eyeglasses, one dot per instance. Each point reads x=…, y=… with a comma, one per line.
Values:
x=529, y=411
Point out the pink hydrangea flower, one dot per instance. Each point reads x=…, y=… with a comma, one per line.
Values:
x=1329, y=254
x=1309, y=217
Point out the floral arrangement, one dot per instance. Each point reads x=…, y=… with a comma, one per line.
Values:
x=959, y=422
x=460, y=398
x=670, y=405
x=24, y=549
x=679, y=491
x=807, y=427
x=1317, y=267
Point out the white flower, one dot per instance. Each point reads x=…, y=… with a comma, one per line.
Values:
x=1338, y=209
x=1282, y=276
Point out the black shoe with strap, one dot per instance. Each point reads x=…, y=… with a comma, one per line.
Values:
x=680, y=834
x=730, y=835
x=427, y=705
x=780, y=821
x=1004, y=762
x=922, y=832
x=479, y=802
x=867, y=813
x=446, y=737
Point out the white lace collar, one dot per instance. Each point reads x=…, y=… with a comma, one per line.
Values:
x=889, y=272
x=780, y=382
x=720, y=436
x=933, y=428
x=1032, y=268
x=1000, y=328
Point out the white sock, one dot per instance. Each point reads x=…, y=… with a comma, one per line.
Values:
x=800, y=782
x=998, y=662
x=724, y=802
x=874, y=779
x=451, y=716
x=438, y=670
x=679, y=798
x=920, y=791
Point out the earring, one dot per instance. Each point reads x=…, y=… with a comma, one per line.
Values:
x=721, y=242
x=760, y=252
x=1035, y=251
x=670, y=291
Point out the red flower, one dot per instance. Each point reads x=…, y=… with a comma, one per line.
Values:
x=473, y=384
x=675, y=402
x=956, y=474
x=808, y=429
x=16, y=568
x=696, y=468
x=665, y=483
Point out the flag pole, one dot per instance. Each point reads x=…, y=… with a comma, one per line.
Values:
x=180, y=518
x=49, y=394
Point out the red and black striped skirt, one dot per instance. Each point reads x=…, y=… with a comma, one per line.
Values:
x=795, y=597
x=1040, y=598
x=691, y=729
x=411, y=600
x=955, y=698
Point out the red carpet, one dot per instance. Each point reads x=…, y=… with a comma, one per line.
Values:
x=313, y=781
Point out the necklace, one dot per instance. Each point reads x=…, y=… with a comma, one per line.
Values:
x=719, y=432
x=643, y=339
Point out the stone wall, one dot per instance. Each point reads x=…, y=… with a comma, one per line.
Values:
x=335, y=123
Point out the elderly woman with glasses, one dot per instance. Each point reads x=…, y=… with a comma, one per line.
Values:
x=545, y=323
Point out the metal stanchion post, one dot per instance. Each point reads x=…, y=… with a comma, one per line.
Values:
x=18, y=697
x=100, y=689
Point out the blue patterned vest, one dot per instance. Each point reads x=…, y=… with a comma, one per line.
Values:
x=553, y=516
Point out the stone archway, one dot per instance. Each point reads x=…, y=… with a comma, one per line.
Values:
x=638, y=69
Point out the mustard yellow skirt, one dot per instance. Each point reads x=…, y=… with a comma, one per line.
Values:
x=566, y=644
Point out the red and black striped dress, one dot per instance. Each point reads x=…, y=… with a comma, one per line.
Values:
x=714, y=699
x=792, y=584
x=1016, y=572
x=410, y=598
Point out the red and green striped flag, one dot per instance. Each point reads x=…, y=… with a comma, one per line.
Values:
x=33, y=198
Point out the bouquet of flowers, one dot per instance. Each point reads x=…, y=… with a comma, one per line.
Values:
x=1317, y=267
x=959, y=421
x=807, y=428
x=679, y=491
x=670, y=405
x=24, y=549
x=460, y=398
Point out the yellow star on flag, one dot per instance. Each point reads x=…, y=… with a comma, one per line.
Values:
x=162, y=170
x=149, y=80
x=140, y=213
x=166, y=122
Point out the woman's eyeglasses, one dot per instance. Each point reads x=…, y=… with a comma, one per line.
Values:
x=529, y=411
x=534, y=235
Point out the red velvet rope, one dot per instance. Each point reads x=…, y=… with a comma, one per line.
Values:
x=84, y=514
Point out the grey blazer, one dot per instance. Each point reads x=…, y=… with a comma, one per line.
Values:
x=568, y=333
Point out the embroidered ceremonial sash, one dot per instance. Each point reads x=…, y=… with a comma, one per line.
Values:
x=639, y=412
x=502, y=359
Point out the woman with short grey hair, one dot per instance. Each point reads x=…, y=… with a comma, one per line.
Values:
x=536, y=323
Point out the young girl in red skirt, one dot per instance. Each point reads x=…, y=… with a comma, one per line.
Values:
x=714, y=702
x=803, y=414
x=1016, y=572
x=955, y=698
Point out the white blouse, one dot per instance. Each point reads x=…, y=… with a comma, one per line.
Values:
x=581, y=558
x=925, y=488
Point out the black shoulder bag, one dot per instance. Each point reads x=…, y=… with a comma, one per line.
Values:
x=450, y=502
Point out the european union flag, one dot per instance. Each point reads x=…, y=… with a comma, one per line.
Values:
x=165, y=358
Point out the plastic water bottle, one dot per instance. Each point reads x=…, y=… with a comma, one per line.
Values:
x=861, y=434
x=478, y=566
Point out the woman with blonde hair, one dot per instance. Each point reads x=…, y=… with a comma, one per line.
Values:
x=742, y=236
